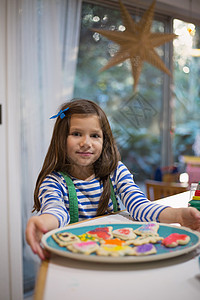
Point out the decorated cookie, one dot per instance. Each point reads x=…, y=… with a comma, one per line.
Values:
x=175, y=239
x=145, y=249
x=64, y=238
x=114, y=250
x=87, y=247
x=145, y=240
x=124, y=233
x=147, y=229
x=113, y=242
x=86, y=237
x=101, y=233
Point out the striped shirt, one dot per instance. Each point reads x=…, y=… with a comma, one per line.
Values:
x=53, y=197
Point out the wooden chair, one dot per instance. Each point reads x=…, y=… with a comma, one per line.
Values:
x=158, y=190
x=171, y=177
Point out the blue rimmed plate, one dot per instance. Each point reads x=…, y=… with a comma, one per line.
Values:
x=162, y=252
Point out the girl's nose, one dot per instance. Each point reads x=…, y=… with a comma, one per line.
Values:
x=85, y=141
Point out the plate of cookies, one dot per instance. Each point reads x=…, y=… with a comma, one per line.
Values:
x=122, y=243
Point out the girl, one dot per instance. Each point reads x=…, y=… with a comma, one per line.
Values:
x=83, y=177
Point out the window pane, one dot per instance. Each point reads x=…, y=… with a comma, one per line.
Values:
x=186, y=90
x=135, y=118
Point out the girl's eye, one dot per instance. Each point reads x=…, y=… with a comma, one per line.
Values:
x=76, y=133
x=95, y=135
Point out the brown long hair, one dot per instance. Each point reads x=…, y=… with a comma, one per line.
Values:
x=56, y=158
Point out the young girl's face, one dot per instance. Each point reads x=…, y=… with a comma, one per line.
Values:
x=84, y=144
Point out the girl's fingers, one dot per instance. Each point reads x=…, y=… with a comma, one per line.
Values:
x=40, y=252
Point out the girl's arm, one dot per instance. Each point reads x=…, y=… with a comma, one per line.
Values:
x=187, y=216
x=142, y=209
x=53, y=212
x=135, y=201
x=53, y=197
x=36, y=227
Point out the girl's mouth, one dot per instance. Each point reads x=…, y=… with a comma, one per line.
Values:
x=82, y=153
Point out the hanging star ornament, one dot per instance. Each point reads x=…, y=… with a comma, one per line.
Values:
x=137, y=43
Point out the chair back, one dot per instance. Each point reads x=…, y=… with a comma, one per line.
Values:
x=159, y=189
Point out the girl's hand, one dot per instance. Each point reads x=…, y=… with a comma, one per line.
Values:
x=36, y=227
x=185, y=216
x=190, y=217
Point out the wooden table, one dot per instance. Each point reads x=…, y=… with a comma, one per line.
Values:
x=175, y=278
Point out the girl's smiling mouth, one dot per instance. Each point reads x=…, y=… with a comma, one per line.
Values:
x=82, y=153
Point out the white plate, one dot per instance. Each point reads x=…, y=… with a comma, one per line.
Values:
x=162, y=252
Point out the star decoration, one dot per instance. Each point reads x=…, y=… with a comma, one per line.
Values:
x=137, y=43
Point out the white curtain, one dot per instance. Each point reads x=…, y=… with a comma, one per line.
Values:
x=10, y=205
x=49, y=37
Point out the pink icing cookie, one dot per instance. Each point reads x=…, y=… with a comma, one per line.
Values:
x=124, y=233
x=102, y=233
x=87, y=247
x=175, y=239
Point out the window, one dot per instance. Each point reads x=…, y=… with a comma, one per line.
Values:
x=186, y=98
x=136, y=118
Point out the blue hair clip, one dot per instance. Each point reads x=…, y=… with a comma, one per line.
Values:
x=60, y=114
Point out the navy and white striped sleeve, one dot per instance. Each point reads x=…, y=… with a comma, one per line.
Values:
x=51, y=197
x=136, y=203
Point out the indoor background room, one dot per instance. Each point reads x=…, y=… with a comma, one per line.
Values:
x=50, y=53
